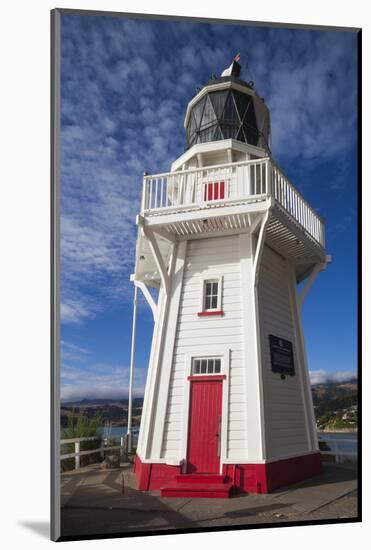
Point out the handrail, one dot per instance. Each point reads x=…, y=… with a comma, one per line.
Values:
x=201, y=168
x=78, y=452
x=224, y=184
x=75, y=439
x=275, y=163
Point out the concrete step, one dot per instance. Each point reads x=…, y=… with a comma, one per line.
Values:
x=212, y=479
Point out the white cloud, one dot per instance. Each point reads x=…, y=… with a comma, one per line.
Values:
x=72, y=352
x=313, y=108
x=321, y=376
x=100, y=381
x=74, y=311
x=342, y=376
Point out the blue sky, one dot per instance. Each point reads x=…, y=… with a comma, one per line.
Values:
x=125, y=87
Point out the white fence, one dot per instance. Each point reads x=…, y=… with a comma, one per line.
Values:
x=334, y=444
x=78, y=453
x=229, y=183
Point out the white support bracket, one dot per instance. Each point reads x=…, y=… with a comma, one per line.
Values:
x=152, y=304
x=165, y=234
x=131, y=375
x=254, y=224
x=259, y=247
x=320, y=266
x=153, y=244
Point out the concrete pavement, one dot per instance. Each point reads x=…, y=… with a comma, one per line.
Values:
x=94, y=502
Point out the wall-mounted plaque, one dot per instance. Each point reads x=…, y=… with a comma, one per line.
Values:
x=282, y=356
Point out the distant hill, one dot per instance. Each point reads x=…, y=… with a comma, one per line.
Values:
x=336, y=404
x=114, y=411
x=332, y=401
x=335, y=395
x=99, y=402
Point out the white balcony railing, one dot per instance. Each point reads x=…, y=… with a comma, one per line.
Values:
x=234, y=183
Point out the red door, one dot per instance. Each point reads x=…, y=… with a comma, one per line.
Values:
x=204, y=425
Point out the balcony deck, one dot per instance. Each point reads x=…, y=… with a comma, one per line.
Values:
x=227, y=199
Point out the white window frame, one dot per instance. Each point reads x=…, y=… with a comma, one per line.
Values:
x=207, y=358
x=212, y=279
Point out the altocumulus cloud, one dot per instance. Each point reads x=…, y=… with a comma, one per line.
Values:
x=125, y=86
x=72, y=352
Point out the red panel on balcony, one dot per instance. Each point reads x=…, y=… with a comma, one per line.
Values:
x=214, y=191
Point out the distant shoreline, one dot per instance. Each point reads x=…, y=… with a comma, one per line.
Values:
x=338, y=431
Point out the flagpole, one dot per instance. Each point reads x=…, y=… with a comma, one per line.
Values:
x=131, y=376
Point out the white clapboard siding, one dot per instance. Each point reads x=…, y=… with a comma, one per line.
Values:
x=284, y=411
x=209, y=269
x=192, y=281
x=176, y=416
x=237, y=380
x=232, y=319
x=236, y=408
x=236, y=445
x=208, y=258
x=186, y=344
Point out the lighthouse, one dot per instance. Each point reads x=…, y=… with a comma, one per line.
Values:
x=226, y=239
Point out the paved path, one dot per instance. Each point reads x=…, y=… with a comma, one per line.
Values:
x=93, y=503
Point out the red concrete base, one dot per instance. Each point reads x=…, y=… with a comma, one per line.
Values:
x=248, y=478
x=151, y=477
x=265, y=478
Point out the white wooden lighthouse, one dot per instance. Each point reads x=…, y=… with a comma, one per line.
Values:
x=226, y=238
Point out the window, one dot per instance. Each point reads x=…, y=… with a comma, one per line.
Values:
x=206, y=365
x=211, y=295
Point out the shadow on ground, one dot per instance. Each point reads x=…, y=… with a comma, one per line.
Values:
x=94, y=503
x=98, y=506
x=332, y=473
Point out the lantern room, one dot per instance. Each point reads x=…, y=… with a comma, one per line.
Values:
x=227, y=108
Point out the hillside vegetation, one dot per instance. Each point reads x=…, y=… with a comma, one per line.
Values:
x=336, y=405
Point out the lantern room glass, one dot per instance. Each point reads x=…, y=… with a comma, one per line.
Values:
x=225, y=114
